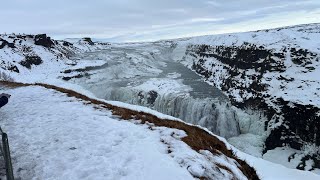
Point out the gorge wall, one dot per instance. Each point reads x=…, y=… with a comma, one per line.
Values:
x=273, y=71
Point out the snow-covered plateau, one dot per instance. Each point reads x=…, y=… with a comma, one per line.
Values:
x=241, y=87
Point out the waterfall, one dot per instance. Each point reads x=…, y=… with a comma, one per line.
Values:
x=216, y=115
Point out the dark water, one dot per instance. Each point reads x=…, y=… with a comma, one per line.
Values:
x=200, y=88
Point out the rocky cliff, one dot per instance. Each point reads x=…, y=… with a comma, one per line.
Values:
x=273, y=71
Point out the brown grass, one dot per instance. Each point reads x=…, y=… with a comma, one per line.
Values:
x=197, y=138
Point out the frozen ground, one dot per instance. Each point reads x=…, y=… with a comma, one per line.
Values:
x=56, y=137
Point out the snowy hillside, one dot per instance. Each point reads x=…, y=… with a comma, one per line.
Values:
x=35, y=57
x=274, y=72
x=290, y=52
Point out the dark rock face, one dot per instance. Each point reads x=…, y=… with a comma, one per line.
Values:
x=65, y=43
x=300, y=123
x=315, y=158
x=31, y=60
x=247, y=56
x=87, y=39
x=30, y=36
x=151, y=97
x=4, y=43
x=76, y=76
x=43, y=40
x=301, y=56
x=13, y=68
x=9, y=66
x=236, y=61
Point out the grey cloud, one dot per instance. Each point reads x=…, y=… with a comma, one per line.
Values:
x=142, y=19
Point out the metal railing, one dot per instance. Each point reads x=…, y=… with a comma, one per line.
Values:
x=6, y=155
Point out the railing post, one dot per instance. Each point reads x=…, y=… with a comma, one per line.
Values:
x=7, y=157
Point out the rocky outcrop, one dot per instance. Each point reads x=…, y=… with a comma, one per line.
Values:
x=13, y=68
x=235, y=61
x=88, y=40
x=66, y=43
x=4, y=43
x=43, y=40
x=31, y=60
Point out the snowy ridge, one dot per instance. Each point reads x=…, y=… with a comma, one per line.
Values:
x=36, y=57
x=290, y=42
x=303, y=36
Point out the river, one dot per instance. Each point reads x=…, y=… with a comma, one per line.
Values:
x=145, y=74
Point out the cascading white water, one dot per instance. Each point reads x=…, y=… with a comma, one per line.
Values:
x=147, y=75
x=214, y=114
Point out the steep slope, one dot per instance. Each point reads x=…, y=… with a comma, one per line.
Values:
x=274, y=72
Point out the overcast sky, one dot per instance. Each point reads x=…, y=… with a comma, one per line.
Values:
x=136, y=20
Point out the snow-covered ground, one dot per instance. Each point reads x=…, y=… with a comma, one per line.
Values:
x=56, y=137
x=53, y=136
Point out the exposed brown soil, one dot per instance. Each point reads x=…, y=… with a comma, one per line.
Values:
x=197, y=138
